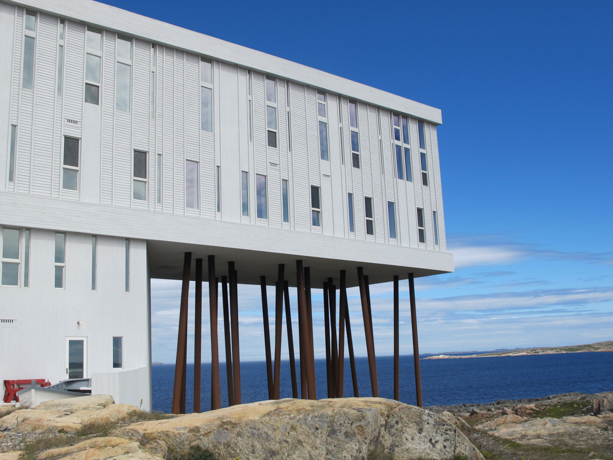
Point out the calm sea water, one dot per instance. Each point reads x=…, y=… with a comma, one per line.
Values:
x=444, y=381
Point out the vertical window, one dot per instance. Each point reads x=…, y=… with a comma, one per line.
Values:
x=399, y=167
x=29, y=45
x=12, y=149
x=289, y=118
x=159, y=179
x=152, y=84
x=218, y=181
x=60, y=60
x=396, y=119
x=10, y=256
x=94, y=262
x=315, y=206
x=262, y=204
x=206, y=95
x=370, y=222
x=355, y=143
x=405, y=131
x=93, y=64
x=407, y=163
x=391, y=213
x=191, y=184
x=245, y=193
x=271, y=112
x=285, y=200
x=123, y=89
x=26, y=259
x=422, y=141
x=117, y=352
x=424, y=169
x=435, y=222
x=323, y=126
x=402, y=147
x=351, y=224
x=70, y=168
x=60, y=259
x=249, y=80
x=421, y=229
x=127, y=267
x=139, y=187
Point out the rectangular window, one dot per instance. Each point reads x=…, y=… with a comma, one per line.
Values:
x=249, y=80
x=26, y=259
x=70, y=169
x=321, y=105
x=218, y=181
x=435, y=222
x=60, y=60
x=407, y=163
x=206, y=72
x=315, y=207
x=60, y=259
x=28, y=62
x=351, y=224
x=402, y=146
x=94, y=262
x=353, y=116
x=206, y=100
x=323, y=126
x=159, y=179
x=405, y=131
x=399, y=168
x=355, y=143
x=152, y=84
x=31, y=21
x=245, y=193
x=262, y=204
x=392, y=218
x=421, y=229
x=271, y=90
x=271, y=112
x=396, y=119
x=123, y=88
x=191, y=184
x=285, y=200
x=93, y=64
x=370, y=221
x=424, y=169
x=139, y=187
x=117, y=352
x=422, y=141
x=127, y=267
x=11, y=258
x=12, y=149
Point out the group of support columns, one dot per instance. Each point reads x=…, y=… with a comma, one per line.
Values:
x=334, y=336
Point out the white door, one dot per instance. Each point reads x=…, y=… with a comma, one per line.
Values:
x=76, y=357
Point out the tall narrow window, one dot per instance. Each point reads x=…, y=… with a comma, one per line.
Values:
x=396, y=120
x=289, y=118
x=285, y=200
x=29, y=46
x=70, y=169
x=271, y=112
x=123, y=88
x=351, y=224
x=391, y=213
x=10, y=256
x=402, y=147
x=323, y=126
x=127, y=267
x=422, y=140
x=424, y=169
x=399, y=167
x=93, y=64
x=139, y=187
x=421, y=229
x=249, y=83
x=315, y=207
x=435, y=222
x=407, y=163
x=206, y=95
x=191, y=184
x=159, y=179
x=218, y=181
x=262, y=203
x=60, y=59
x=152, y=84
x=117, y=352
x=94, y=262
x=60, y=260
x=26, y=259
x=245, y=193
x=370, y=221
x=12, y=149
x=355, y=143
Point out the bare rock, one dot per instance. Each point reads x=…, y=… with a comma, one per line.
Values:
x=99, y=449
x=505, y=419
x=10, y=455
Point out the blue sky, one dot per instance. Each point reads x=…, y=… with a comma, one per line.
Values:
x=526, y=90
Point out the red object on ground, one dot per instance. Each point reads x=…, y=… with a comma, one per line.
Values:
x=13, y=386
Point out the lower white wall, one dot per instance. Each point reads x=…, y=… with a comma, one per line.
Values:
x=127, y=387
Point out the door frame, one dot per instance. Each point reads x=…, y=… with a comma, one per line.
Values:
x=67, y=356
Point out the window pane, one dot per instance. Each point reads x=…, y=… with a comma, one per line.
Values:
x=60, y=240
x=117, y=352
x=62, y=27
x=12, y=153
x=28, y=62
x=206, y=109
x=355, y=145
x=271, y=117
x=71, y=152
x=139, y=190
x=60, y=70
x=218, y=183
x=270, y=91
x=321, y=109
x=399, y=168
x=123, y=87
x=407, y=163
x=94, y=39
x=435, y=222
x=191, y=184
x=353, y=118
x=422, y=143
x=422, y=235
x=261, y=196
x=272, y=139
x=75, y=359
x=10, y=243
x=159, y=179
x=124, y=48
x=392, y=219
x=420, y=217
x=369, y=227
x=59, y=277
x=10, y=274
x=424, y=178
x=405, y=130
x=92, y=94
x=368, y=207
x=93, y=263
x=397, y=134
x=315, y=218
x=127, y=266
x=206, y=74
x=350, y=199
x=396, y=120
x=152, y=96
x=424, y=163
x=315, y=197
x=26, y=259
x=70, y=179
x=285, y=202
x=245, y=193
x=31, y=21
x=356, y=160
x=140, y=164
x=323, y=140
x=321, y=97
x=92, y=68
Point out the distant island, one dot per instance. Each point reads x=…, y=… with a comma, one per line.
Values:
x=598, y=346
x=156, y=364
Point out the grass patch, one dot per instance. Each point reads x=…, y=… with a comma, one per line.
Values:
x=137, y=416
x=33, y=448
x=564, y=409
x=194, y=453
x=96, y=429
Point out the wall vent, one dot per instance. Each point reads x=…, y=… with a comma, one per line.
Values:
x=7, y=322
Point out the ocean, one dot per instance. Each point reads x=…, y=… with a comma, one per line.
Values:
x=444, y=381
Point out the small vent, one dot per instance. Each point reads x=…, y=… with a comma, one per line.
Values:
x=6, y=323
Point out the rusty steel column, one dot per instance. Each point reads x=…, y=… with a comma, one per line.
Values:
x=327, y=334
x=236, y=360
x=396, y=340
x=226, y=327
x=214, y=309
x=415, y=341
x=307, y=290
x=309, y=365
x=334, y=341
x=182, y=338
x=198, y=338
x=354, y=373
x=301, y=339
x=266, y=336
x=278, y=330
x=290, y=341
x=368, y=332
x=341, y=335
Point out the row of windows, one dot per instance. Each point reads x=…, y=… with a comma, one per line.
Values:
x=16, y=259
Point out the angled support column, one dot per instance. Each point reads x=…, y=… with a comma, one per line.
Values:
x=396, y=341
x=302, y=308
x=415, y=341
x=290, y=341
x=278, y=331
x=198, y=339
x=215, y=390
x=266, y=336
x=341, y=335
x=182, y=340
x=354, y=373
x=301, y=340
x=236, y=363
x=327, y=334
x=228, y=337
x=368, y=332
x=334, y=344
x=307, y=291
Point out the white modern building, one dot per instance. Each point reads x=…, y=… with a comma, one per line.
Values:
x=126, y=142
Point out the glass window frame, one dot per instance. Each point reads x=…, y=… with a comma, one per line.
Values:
x=159, y=178
x=285, y=199
x=60, y=264
x=421, y=226
x=218, y=188
x=400, y=135
x=153, y=82
x=273, y=105
x=141, y=180
x=12, y=154
x=368, y=206
x=121, y=60
x=324, y=141
x=351, y=211
x=316, y=207
x=391, y=214
x=207, y=121
x=127, y=265
x=197, y=188
x=435, y=225
x=245, y=193
x=424, y=168
x=60, y=57
x=9, y=260
x=120, y=341
x=97, y=53
x=261, y=212
x=69, y=167
x=354, y=128
x=29, y=66
x=94, y=261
